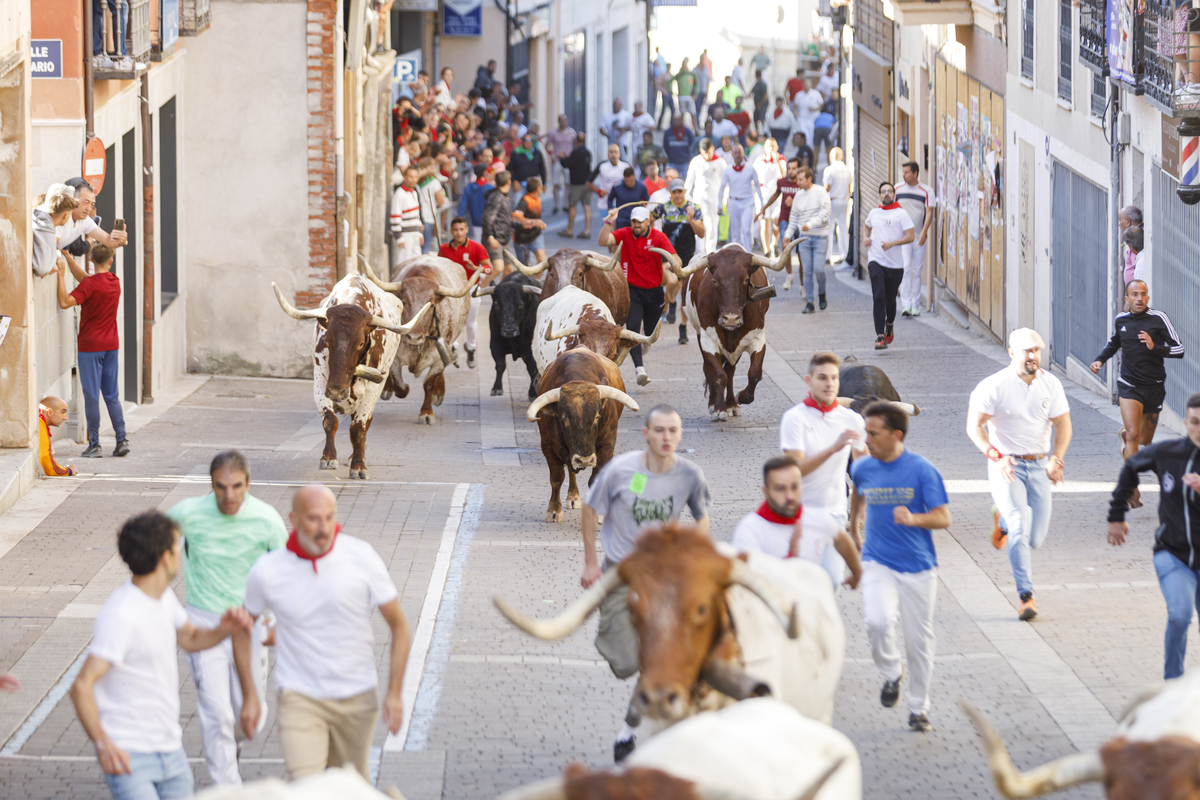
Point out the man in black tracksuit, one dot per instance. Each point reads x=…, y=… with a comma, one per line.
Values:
x=1177, y=540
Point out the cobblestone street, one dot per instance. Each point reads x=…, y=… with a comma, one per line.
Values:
x=456, y=510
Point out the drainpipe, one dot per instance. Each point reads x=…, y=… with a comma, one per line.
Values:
x=147, y=245
x=339, y=143
x=1114, y=213
x=89, y=82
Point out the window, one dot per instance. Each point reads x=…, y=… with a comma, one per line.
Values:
x=1065, y=51
x=1027, y=39
x=1099, y=94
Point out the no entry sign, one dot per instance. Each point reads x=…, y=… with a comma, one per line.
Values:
x=95, y=164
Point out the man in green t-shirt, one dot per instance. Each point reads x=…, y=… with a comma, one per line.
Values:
x=685, y=85
x=224, y=533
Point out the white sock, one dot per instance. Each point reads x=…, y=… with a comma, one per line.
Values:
x=626, y=733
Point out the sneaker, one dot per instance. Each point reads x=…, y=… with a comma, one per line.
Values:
x=787, y=284
x=809, y=309
x=122, y=449
x=93, y=451
x=915, y=311
x=566, y=234
x=890, y=693
x=671, y=314
x=888, y=333
x=1028, y=607
x=470, y=358
x=102, y=62
x=906, y=313
x=622, y=748
x=642, y=377
x=999, y=535
x=823, y=304
x=919, y=722
x=683, y=334
x=881, y=342
x=125, y=64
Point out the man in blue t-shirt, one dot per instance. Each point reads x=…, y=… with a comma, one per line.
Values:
x=905, y=498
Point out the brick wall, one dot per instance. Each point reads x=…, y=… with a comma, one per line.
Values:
x=322, y=190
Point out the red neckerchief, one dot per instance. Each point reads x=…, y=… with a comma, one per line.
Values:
x=778, y=113
x=714, y=158
x=890, y=206
x=678, y=133
x=481, y=182
x=293, y=544
x=769, y=514
x=811, y=402
x=739, y=167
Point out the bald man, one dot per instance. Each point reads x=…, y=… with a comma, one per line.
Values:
x=323, y=588
x=52, y=412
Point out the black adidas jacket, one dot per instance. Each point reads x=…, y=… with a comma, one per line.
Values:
x=1141, y=366
x=1178, y=506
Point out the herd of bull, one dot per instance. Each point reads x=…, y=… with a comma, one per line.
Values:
x=740, y=655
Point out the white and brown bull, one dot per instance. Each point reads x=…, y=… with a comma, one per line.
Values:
x=574, y=318
x=355, y=340
x=438, y=281
x=708, y=618
x=760, y=749
x=1153, y=755
x=587, y=270
x=726, y=295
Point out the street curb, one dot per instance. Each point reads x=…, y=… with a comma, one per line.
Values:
x=21, y=480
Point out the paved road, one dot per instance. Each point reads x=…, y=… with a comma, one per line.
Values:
x=456, y=511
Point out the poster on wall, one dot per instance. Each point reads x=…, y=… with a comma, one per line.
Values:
x=462, y=18
x=170, y=24
x=1119, y=33
x=973, y=175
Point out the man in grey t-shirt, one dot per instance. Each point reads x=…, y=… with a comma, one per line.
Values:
x=633, y=491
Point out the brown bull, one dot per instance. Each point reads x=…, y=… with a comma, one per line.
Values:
x=725, y=297
x=580, y=400
x=587, y=270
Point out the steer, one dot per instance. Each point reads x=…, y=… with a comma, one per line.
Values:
x=574, y=318
x=357, y=334
x=759, y=750
x=704, y=613
x=726, y=297
x=511, y=321
x=580, y=400
x=862, y=384
x=428, y=279
x=1153, y=755
x=589, y=271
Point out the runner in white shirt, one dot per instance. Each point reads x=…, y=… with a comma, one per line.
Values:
x=784, y=528
x=127, y=694
x=721, y=126
x=617, y=127
x=741, y=182
x=702, y=184
x=917, y=200
x=839, y=183
x=822, y=435
x=885, y=229
x=807, y=105
x=1009, y=420
x=769, y=169
x=641, y=122
x=323, y=589
x=408, y=232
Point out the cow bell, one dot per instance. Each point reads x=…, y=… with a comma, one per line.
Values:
x=762, y=293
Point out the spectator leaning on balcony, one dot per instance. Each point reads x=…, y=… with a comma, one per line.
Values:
x=83, y=226
x=55, y=210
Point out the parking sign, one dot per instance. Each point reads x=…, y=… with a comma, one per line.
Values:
x=407, y=66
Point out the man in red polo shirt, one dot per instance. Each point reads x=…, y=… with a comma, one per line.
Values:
x=470, y=255
x=97, y=297
x=644, y=272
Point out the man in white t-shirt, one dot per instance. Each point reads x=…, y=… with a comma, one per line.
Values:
x=640, y=123
x=559, y=144
x=127, y=694
x=82, y=224
x=916, y=199
x=323, y=589
x=783, y=528
x=807, y=104
x=885, y=229
x=722, y=127
x=617, y=127
x=839, y=182
x=1009, y=419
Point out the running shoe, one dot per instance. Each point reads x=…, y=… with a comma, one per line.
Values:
x=915, y=311
x=93, y=451
x=890, y=693
x=642, y=377
x=622, y=748
x=809, y=309
x=470, y=358
x=920, y=722
x=671, y=314
x=998, y=533
x=905, y=313
x=122, y=449
x=1028, y=607
x=683, y=334
x=823, y=304
x=881, y=342
x=888, y=333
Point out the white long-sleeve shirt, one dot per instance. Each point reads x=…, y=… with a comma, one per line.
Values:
x=809, y=207
x=742, y=184
x=703, y=181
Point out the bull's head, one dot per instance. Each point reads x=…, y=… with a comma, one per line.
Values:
x=349, y=336
x=569, y=265
x=577, y=404
x=676, y=581
x=601, y=336
x=731, y=268
x=418, y=292
x=512, y=298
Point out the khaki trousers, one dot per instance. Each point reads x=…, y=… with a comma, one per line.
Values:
x=316, y=734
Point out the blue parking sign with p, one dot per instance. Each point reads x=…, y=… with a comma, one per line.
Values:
x=405, y=70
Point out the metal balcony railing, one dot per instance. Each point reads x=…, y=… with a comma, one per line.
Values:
x=1065, y=61
x=1092, y=31
x=1171, y=67
x=1027, y=39
x=139, y=30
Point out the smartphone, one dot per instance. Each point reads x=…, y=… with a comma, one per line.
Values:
x=118, y=224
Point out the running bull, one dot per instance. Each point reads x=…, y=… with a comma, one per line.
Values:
x=863, y=384
x=355, y=340
x=512, y=320
x=726, y=296
x=708, y=619
x=589, y=271
x=758, y=750
x=439, y=282
x=574, y=318
x=579, y=404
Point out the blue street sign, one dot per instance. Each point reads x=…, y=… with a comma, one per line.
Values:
x=462, y=18
x=45, y=58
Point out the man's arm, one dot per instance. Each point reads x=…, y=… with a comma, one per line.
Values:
x=591, y=565
x=77, y=272
x=867, y=234
x=251, y=709
x=65, y=300
x=934, y=519
x=1141, y=461
x=702, y=525
x=977, y=432
x=114, y=240
x=393, y=704
x=809, y=464
x=1062, y=439
x=848, y=550
x=113, y=760
x=193, y=639
x=856, y=510
x=905, y=239
x=606, y=238
x=767, y=204
x=925, y=227
x=1110, y=350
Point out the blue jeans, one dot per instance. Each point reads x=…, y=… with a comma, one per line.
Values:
x=1178, y=583
x=121, y=21
x=812, y=259
x=153, y=776
x=681, y=169
x=98, y=375
x=1024, y=507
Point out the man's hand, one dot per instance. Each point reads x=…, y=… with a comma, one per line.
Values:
x=1095, y=367
x=1054, y=471
x=113, y=760
x=9, y=682
x=72, y=471
x=804, y=227
x=120, y=237
x=421, y=240
x=393, y=712
x=921, y=239
x=848, y=436
x=886, y=246
x=866, y=241
x=902, y=515
x=1117, y=531
x=1006, y=468
x=1147, y=340
x=591, y=574
x=1192, y=481
x=611, y=217
x=691, y=214
x=235, y=619
x=492, y=243
x=854, y=578
x=251, y=711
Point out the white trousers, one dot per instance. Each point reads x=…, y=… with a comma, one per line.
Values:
x=712, y=223
x=912, y=596
x=741, y=214
x=219, y=696
x=472, y=316
x=838, y=226
x=405, y=246
x=910, y=286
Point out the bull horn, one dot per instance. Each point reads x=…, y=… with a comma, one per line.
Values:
x=845, y=402
x=1143, y=696
x=387, y=286
x=541, y=402
x=671, y=258
x=642, y=338
x=480, y=292
x=530, y=271
x=744, y=576
x=380, y=322
x=564, y=333
x=696, y=265
x=369, y=373
x=527, y=289
x=549, y=789
x=463, y=291
x=1059, y=774
x=596, y=261
x=784, y=258
x=809, y=792
x=912, y=409
x=731, y=680
x=292, y=311
x=569, y=620
x=611, y=393
x=443, y=352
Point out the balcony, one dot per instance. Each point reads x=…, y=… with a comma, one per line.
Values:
x=935, y=12
x=1092, y=31
x=137, y=39
x=194, y=17
x=1165, y=61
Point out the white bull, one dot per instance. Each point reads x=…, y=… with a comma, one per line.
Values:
x=572, y=317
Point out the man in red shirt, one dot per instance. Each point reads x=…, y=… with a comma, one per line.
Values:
x=785, y=190
x=470, y=255
x=739, y=117
x=794, y=85
x=97, y=297
x=643, y=271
